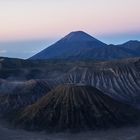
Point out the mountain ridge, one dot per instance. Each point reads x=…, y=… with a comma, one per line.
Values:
x=79, y=45
x=75, y=108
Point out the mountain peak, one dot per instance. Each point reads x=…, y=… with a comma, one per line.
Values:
x=70, y=46
x=78, y=36
x=77, y=32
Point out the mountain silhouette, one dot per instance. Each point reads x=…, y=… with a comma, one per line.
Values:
x=72, y=45
x=79, y=45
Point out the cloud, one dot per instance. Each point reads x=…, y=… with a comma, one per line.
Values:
x=3, y=51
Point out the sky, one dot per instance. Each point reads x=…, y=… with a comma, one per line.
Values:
x=28, y=26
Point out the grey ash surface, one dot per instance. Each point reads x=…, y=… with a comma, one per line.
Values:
x=130, y=133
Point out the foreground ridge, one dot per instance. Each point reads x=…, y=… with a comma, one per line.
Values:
x=76, y=108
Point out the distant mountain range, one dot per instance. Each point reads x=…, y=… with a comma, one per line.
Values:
x=81, y=46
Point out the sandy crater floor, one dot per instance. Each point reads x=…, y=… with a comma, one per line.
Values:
x=131, y=133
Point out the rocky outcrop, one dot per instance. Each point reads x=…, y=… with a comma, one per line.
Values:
x=16, y=95
x=118, y=79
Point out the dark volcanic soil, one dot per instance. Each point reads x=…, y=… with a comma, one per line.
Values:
x=131, y=133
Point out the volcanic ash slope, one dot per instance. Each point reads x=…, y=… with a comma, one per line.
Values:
x=75, y=108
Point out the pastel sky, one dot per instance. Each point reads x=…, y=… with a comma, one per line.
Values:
x=32, y=25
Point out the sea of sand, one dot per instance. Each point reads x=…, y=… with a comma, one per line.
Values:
x=129, y=133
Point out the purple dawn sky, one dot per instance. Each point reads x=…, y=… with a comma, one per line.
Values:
x=28, y=26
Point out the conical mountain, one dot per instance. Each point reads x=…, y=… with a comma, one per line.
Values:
x=75, y=108
x=70, y=46
x=79, y=45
